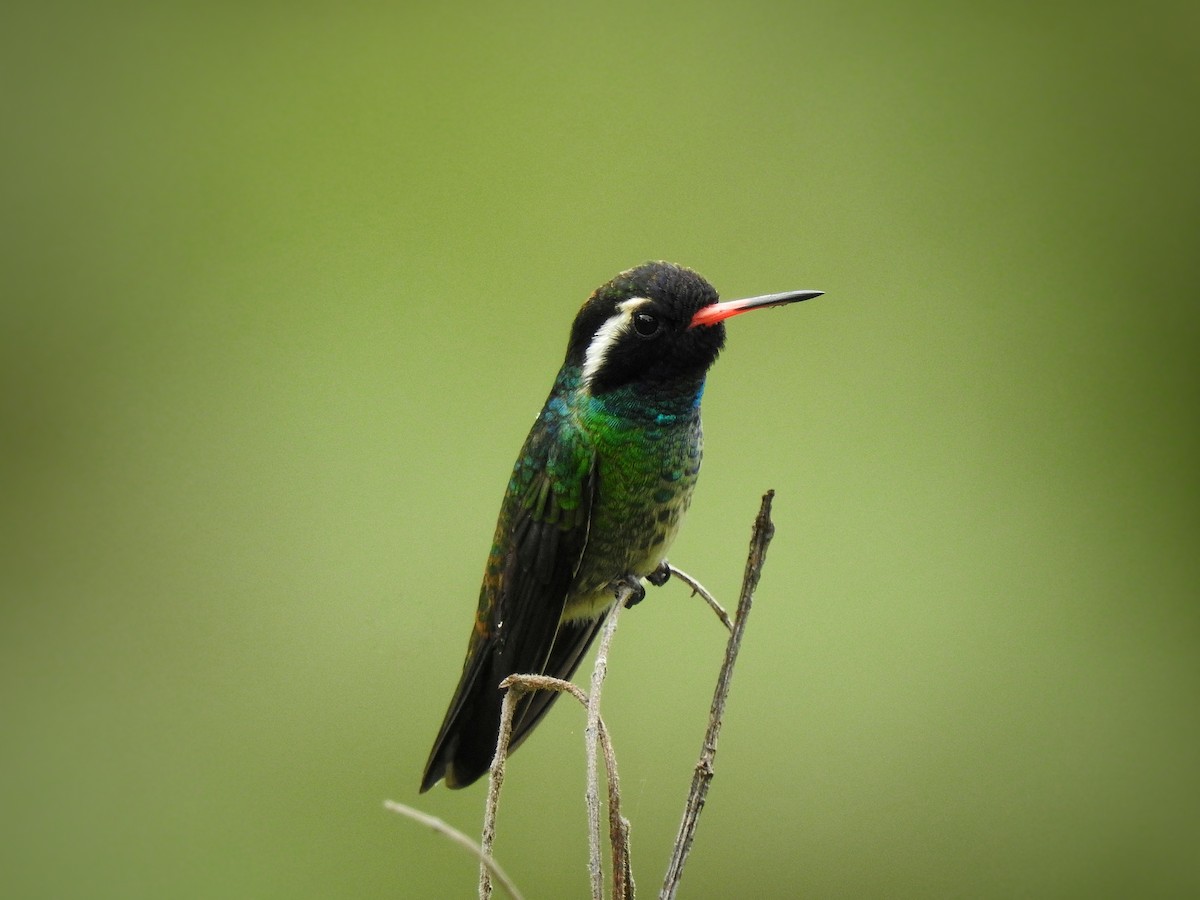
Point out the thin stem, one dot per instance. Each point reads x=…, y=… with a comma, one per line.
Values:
x=495, y=781
x=591, y=737
x=597, y=738
x=443, y=828
x=546, y=683
x=702, y=591
x=760, y=538
x=618, y=825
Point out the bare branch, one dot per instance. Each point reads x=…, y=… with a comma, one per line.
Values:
x=702, y=591
x=591, y=741
x=546, y=683
x=495, y=781
x=760, y=538
x=444, y=828
x=597, y=738
x=618, y=828
x=618, y=825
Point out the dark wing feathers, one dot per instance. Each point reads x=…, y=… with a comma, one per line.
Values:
x=540, y=540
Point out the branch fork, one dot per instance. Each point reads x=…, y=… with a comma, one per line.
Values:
x=597, y=739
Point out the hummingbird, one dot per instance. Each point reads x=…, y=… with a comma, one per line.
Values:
x=595, y=498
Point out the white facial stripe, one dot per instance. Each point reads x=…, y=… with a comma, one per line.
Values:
x=607, y=335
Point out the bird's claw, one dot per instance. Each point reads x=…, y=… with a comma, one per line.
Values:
x=637, y=590
x=660, y=575
x=633, y=584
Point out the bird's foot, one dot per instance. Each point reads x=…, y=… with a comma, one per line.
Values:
x=637, y=590
x=632, y=588
x=661, y=575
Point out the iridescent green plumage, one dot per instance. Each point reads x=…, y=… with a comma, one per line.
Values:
x=648, y=453
x=597, y=492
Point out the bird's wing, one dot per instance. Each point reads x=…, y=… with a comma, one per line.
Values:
x=540, y=540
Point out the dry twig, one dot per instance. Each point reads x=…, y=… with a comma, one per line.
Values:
x=701, y=591
x=761, y=536
x=597, y=737
x=591, y=740
x=444, y=828
x=495, y=780
x=618, y=826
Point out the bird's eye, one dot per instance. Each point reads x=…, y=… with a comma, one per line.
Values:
x=646, y=325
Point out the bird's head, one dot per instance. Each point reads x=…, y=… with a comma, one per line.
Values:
x=655, y=324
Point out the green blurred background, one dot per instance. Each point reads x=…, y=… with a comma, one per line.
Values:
x=285, y=286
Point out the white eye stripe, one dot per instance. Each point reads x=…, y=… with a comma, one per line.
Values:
x=607, y=335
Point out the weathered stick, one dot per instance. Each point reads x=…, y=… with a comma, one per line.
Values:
x=591, y=737
x=447, y=830
x=597, y=738
x=516, y=685
x=701, y=591
x=760, y=538
x=508, y=707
